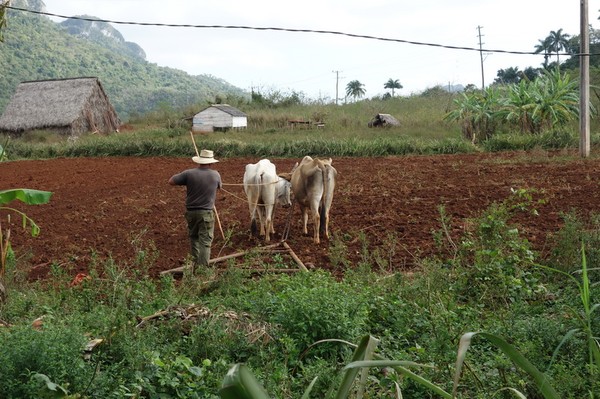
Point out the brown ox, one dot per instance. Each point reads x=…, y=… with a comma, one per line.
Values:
x=313, y=182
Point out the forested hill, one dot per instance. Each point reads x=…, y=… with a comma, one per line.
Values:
x=36, y=48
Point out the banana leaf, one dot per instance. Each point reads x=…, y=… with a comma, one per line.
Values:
x=26, y=195
x=240, y=383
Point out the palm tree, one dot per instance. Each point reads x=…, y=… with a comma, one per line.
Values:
x=544, y=46
x=355, y=89
x=392, y=84
x=558, y=41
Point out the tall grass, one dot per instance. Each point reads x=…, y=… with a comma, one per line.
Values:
x=261, y=144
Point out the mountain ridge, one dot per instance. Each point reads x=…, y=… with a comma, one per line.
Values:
x=36, y=48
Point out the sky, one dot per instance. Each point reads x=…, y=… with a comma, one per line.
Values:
x=319, y=65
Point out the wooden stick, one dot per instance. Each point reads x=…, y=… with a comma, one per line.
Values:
x=194, y=141
x=295, y=257
x=219, y=222
x=260, y=271
x=160, y=313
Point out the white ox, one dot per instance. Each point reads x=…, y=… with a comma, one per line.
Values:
x=313, y=182
x=264, y=190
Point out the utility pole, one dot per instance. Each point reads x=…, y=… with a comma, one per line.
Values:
x=584, y=82
x=337, y=80
x=481, y=57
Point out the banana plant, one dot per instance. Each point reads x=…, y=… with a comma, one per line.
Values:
x=29, y=197
x=239, y=382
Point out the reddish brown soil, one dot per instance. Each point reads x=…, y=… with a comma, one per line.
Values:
x=107, y=206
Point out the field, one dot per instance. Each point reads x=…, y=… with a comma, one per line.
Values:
x=386, y=206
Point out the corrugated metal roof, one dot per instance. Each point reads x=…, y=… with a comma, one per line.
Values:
x=228, y=109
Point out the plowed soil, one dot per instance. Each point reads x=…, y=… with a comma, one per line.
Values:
x=388, y=206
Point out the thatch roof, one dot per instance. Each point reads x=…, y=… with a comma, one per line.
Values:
x=384, y=120
x=71, y=106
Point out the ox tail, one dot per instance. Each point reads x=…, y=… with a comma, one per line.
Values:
x=328, y=186
x=323, y=219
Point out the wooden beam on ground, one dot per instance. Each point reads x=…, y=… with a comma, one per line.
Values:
x=261, y=271
x=295, y=257
x=181, y=269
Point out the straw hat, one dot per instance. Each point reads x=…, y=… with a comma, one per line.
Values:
x=206, y=157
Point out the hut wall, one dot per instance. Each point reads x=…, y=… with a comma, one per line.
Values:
x=213, y=117
x=239, y=121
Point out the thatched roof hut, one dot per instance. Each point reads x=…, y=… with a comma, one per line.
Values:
x=68, y=106
x=382, y=120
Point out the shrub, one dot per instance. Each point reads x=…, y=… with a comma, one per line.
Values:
x=313, y=306
x=55, y=351
x=494, y=264
x=566, y=253
x=177, y=377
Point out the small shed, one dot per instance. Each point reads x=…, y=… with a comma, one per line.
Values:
x=68, y=106
x=219, y=117
x=383, y=120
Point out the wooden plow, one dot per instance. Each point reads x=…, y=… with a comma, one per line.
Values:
x=280, y=247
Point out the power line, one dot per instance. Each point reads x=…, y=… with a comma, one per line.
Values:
x=285, y=30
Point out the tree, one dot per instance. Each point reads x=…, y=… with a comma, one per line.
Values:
x=3, y=6
x=574, y=46
x=392, y=84
x=558, y=41
x=513, y=75
x=544, y=46
x=508, y=76
x=531, y=73
x=355, y=89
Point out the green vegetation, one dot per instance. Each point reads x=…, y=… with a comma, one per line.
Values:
x=483, y=319
x=549, y=102
x=35, y=48
x=29, y=197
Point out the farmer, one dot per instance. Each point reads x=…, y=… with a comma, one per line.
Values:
x=202, y=183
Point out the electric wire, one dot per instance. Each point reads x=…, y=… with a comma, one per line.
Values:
x=279, y=29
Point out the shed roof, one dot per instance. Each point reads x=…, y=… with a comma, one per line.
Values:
x=387, y=118
x=50, y=103
x=228, y=109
